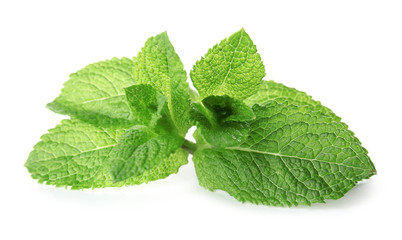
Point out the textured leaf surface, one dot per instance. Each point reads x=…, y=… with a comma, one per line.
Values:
x=159, y=65
x=146, y=103
x=76, y=154
x=95, y=94
x=232, y=67
x=289, y=155
x=270, y=90
x=140, y=149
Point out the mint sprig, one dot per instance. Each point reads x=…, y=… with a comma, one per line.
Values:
x=260, y=141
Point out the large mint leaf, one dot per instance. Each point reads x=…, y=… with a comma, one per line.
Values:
x=290, y=154
x=140, y=149
x=76, y=154
x=159, y=65
x=233, y=67
x=95, y=94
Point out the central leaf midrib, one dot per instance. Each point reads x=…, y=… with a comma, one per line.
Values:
x=287, y=156
x=103, y=98
x=231, y=61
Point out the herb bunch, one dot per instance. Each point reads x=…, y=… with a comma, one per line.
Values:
x=260, y=141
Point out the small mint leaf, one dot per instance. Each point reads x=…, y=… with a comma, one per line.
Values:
x=159, y=65
x=233, y=67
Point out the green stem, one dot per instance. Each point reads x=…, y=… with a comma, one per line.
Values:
x=189, y=146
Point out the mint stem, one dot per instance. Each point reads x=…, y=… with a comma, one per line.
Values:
x=189, y=146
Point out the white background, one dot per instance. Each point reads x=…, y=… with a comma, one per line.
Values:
x=347, y=54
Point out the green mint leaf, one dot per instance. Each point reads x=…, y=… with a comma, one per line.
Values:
x=140, y=149
x=159, y=65
x=95, y=94
x=270, y=90
x=76, y=154
x=73, y=154
x=146, y=103
x=290, y=154
x=233, y=67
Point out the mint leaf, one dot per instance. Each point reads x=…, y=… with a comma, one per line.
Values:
x=95, y=94
x=233, y=67
x=73, y=154
x=76, y=154
x=159, y=65
x=141, y=149
x=289, y=155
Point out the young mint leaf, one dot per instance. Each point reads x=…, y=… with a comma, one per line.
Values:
x=270, y=90
x=220, y=117
x=215, y=110
x=146, y=103
x=76, y=154
x=140, y=149
x=290, y=154
x=95, y=94
x=200, y=114
x=226, y=109
x=159, y=65
x=233, y=67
